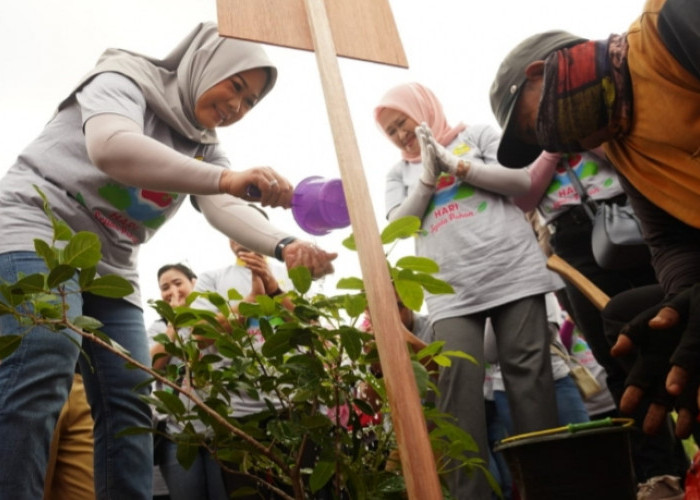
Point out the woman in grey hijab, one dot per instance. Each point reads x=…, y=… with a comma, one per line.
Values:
x=118, y=159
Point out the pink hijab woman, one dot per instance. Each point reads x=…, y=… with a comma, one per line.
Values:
x=419, y=104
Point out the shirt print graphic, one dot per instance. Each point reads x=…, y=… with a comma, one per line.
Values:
x=445, y=204
x=561, y=187
x=143, y=206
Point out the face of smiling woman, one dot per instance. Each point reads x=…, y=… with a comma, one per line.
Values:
x=229, y=100
x=400, y=129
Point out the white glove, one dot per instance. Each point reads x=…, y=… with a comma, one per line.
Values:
x=431, y=169
x=436, y=158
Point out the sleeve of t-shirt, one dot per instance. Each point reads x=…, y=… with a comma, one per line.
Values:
x=487, y=139
x=112, y=93
x=394, y=189
x=206, y=282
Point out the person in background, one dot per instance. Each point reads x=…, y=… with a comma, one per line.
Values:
x=637, y=95
x=560, y=207
x=571, y=407
x=601, y=405
x=486, y=250
x=176, y=282
x=135, y=136
x=203, y=479
x=251, y=274
x=70, y=473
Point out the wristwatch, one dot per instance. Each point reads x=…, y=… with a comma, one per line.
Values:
x=281, y=245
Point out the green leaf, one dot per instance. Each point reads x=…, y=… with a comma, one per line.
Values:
x=234, y=295
x=9, y=344
x=171, y=401
x=87, y=323
x=419, y=264
x=249, y=310
x=267, y=305
x=350, y=284
x=187, y=453
x=422, y=376
x=278, y=344
x=34, y=283
x=47, y=253
x=410, y=293
x=83, y=250
x=351, y=342
x=355, y=304
x=430, y=349
x=321, y=474
x=61, y=231
x=443, y=361
x=402, y=228
x=87, y=274
x=349, y=243
x=301, y=278
x=111, y=286
x=432, y=284
x=60, y=274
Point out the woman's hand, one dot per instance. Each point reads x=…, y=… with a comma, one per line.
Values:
x=260, y=184
x=303, y=253
x=436, y=158
x=262, y=273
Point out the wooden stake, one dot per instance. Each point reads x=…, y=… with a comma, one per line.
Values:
x=415, y=452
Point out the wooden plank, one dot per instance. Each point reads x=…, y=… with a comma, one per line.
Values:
x=597, y=297
x=416, y=455
x=361, y=29
x=357, y=26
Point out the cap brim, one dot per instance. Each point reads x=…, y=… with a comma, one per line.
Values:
x=512, y=152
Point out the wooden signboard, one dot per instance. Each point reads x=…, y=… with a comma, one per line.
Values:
x=360, y=29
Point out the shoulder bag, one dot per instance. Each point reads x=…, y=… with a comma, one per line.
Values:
x=616, y=240
x=587, y=384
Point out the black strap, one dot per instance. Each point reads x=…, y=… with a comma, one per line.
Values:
x=589, y=205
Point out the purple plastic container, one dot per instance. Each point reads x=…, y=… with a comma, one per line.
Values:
x=318, y=205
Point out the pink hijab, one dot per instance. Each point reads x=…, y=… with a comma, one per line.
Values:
x=419, y=103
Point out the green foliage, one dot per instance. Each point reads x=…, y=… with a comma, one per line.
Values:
x=315, y=371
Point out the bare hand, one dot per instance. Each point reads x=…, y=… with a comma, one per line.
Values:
x=272, y=190
x=303, y=253
x=261, y=270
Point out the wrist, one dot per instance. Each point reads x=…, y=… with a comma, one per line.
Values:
x=278, y=291
x=281, y=245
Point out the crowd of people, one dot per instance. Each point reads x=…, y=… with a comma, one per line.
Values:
x=137, y=134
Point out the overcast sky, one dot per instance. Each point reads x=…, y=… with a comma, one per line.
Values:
x=452, y=46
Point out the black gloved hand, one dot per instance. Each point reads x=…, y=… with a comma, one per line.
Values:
x=666, y=335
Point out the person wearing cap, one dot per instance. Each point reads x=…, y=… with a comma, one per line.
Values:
x=637, y=95
x=448, y=176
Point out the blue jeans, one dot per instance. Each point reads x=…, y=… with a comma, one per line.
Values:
x=203, y=480
x=34, y=385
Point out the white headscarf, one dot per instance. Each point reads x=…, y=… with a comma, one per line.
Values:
x=173, y=85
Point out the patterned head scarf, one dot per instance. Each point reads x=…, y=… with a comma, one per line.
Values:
x=172, y=85
x=420, y=104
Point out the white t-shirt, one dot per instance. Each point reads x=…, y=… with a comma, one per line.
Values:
x=83, y=196
x=485, y=247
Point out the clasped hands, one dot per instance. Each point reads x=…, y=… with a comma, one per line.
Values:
x=436, y=159
x=667, y=367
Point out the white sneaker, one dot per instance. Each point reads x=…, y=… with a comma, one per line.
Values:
x=661, y=488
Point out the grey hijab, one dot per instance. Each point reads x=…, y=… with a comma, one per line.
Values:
x=173, y=85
